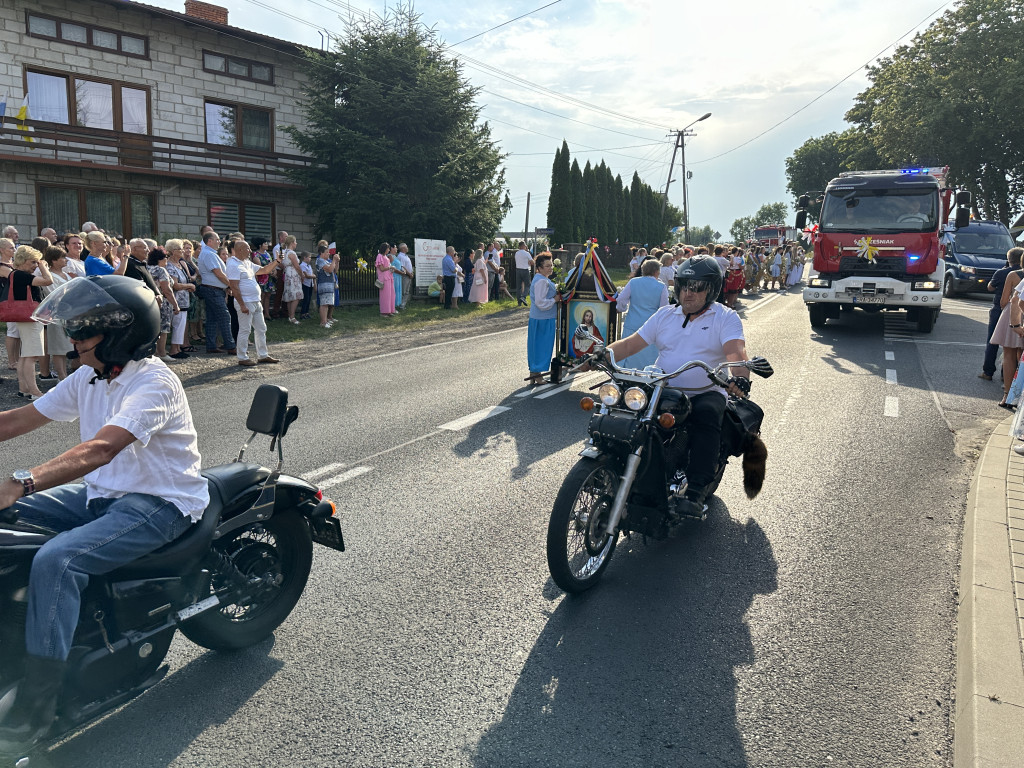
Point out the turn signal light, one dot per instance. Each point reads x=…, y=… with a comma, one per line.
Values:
x=587, y=403
x=667, y=420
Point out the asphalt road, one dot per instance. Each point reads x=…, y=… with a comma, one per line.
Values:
x=814, y=625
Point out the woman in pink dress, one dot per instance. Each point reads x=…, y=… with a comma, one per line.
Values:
x=385, y=274
x=481, y=278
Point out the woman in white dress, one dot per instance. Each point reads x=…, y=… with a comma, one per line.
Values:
x=460, y=276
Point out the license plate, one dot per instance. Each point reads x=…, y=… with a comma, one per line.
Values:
x=327, y=532
x=869, y=299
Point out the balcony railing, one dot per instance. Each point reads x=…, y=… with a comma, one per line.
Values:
x=151, y=155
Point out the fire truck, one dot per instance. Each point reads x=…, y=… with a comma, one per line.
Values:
x=877, y=244
x=774, y=234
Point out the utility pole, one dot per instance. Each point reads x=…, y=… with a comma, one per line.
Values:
x=668, y=181
x=680, y=145
x=526, y=226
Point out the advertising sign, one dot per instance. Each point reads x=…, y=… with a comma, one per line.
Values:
x=428, y=255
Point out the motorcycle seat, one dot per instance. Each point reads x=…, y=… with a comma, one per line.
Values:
x=184, y=553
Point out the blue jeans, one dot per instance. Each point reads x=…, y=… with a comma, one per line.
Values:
x=96, y=537
x=217, y=318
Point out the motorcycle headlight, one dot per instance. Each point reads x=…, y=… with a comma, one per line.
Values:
x=609, y=393
x=635, y=399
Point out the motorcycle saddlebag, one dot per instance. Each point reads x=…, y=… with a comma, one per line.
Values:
x=741, y=422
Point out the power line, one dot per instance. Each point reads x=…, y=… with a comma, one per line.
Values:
x=504, y=23
x=825, y=93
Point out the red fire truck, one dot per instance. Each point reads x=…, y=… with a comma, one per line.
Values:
x=877, y=244
x=774, y=234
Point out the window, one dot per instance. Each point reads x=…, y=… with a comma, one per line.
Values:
x=245, y=69
x=122, y=214
x=87, y=103
x=236, y=125
x=251, y=219
x=87, y=35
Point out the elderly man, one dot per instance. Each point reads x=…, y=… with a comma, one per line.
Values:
x=137, y=266
x=50, y=234
x=448, y=275
x=11, y=234
x=241, y=273
x=213, y=289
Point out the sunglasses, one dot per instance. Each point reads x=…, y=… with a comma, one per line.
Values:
x=693, y=286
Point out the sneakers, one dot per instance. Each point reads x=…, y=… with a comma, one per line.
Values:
x=268, y=360
x=247, y=363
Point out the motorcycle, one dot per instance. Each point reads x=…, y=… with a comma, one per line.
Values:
x=626, y=480
x=227, y=583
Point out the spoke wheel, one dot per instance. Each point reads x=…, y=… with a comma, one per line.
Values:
x=578, y=548
x=279, y=552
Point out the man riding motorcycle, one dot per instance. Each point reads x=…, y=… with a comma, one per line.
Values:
x=137, y=432
x=697, y=328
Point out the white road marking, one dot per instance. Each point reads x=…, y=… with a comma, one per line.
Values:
x=761, y=303
x=534, y=390
x=567, y=386
x=474, y=418
x=890, y=355
x=890, y=376
x=941, y=343
x=345, y=476
x=323, y=471
x=892, y=407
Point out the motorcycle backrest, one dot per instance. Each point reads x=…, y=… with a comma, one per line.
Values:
x=269, y=411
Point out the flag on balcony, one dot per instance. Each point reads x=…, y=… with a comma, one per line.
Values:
x=21, y=116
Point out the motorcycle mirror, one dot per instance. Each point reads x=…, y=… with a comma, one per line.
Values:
x=760, y=366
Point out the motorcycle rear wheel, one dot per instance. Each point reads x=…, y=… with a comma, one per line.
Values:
x=580, y=509
x=281, y=548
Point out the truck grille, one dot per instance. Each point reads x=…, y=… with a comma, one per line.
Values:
x=888, y=266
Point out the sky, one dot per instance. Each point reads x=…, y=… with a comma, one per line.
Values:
x=616, y=77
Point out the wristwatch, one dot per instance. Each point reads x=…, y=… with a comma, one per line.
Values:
x=28, y=482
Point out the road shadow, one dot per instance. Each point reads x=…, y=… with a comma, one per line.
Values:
x=639, y=671
x=564, y=423
x=155, y=729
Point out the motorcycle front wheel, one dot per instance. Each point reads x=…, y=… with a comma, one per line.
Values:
x=578, y=549
x=280, y=552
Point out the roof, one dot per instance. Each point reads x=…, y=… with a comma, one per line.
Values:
x=1017, y=226
x=226, y=29
x=882, y=181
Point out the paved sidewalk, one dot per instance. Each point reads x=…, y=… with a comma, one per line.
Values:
x=989, y=719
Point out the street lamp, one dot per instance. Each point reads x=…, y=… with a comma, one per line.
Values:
x=686, y=203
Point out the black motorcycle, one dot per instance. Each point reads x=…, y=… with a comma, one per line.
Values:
x=627, y=480
x=227, y=583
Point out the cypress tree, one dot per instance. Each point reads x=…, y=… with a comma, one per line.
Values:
x=618, y=231
x=639, y=218
x=590, y=212
x=579, y=202
x=560, y=197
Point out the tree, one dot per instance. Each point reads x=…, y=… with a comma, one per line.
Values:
x=560, y=197
x=770, y=213
x=741, y=230
x=628, y=235
x=705, y=234
x=639, y=217
x=952, y=97
x=398, y=149
x=819, y=160
x=579, y=203
x=590, y=210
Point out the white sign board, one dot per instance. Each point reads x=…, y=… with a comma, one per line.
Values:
x=428, y=255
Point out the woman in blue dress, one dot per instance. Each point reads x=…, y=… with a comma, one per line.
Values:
x=540, y=339
x=399, y=270
x=643, y=295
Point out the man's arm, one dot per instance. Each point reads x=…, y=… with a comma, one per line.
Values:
x=72, y=464
x=20, y=421
x=630, y=345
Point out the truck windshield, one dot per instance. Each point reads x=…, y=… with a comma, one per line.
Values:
x=988, y=243
x=866, y=211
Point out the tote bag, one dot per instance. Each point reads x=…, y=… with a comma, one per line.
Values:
x=12, y=311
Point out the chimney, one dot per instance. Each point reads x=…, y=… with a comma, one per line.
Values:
x=206, y=11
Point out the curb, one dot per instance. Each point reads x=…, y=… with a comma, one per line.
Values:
x=988, y=723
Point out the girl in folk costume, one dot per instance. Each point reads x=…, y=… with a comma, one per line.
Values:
x=796, y=269
x=775, y=262
x=734, y=278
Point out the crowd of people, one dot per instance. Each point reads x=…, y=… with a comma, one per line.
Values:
x=1006, y=334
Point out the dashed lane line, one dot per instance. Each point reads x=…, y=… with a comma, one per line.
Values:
x=890, y=355
x=323, y=471
x=345, y=476
x=890, y=376
x=939, y=343
x=564, y=387
x=892, y=407
x=474, y=418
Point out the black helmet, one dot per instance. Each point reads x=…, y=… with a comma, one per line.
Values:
x=703, y=268
x=124, y=311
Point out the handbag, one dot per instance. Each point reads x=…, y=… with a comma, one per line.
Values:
x=14, y=311
x=379, y=283
x=479, y=279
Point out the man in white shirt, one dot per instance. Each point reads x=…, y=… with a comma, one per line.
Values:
x=524, y=260
x=140, y=460
x=406, y=262
x=494, y=269
x=213, y=289
x=697, y=328
x=241, y=273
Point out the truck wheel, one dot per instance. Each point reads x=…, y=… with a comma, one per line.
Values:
x=818, y=315
x=947, y=288
x=926, y=320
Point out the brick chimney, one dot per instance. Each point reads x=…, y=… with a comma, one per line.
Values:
x=206, y=11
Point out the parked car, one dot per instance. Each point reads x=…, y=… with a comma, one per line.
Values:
x=973, y=255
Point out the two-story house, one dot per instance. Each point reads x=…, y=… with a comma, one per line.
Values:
x=149, y=122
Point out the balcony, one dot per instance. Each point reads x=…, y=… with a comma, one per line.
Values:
x=64, y=145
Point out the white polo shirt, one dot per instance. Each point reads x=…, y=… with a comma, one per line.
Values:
x=146, y=399
x=702, y=339
x=245, y=273
x=523, y=259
